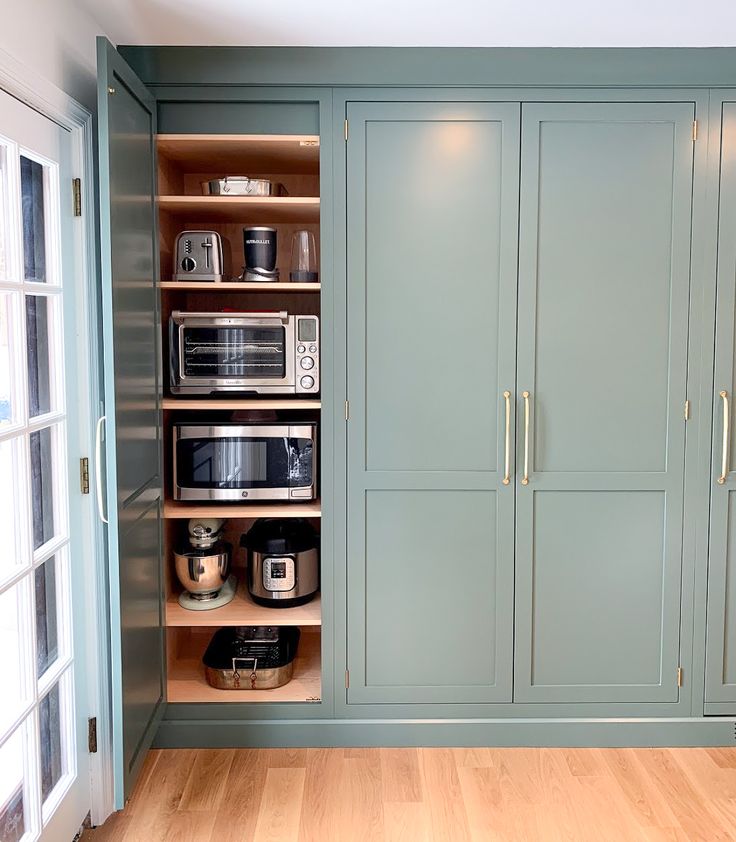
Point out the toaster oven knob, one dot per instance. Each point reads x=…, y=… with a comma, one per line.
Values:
x=301, y=349
x=307, y=381
x=306, y=362
x=189, y=264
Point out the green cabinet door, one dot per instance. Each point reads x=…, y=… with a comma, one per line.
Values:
x=432, y=212
x=130, y=332
x=720, y=680
x=604, y=264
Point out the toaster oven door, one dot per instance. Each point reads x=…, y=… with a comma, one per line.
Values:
x=233, y=357
x=237, y=463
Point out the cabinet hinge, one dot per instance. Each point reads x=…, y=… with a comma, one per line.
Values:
x=347, y=410
x=687, y=410
x=77, y=194
x=346, y=129
x=84, y=475
x=92, y=735
x=347, y=679
x=695, y=130
x=679, y=676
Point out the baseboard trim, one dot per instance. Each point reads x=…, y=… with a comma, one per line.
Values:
x=502, y=733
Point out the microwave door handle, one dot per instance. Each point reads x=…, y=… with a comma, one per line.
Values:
x=280, y=315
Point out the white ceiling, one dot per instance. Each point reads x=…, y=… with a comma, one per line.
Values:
x=531, y=23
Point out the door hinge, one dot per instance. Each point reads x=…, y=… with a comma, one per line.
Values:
x=679, y=676
x=77, y=192
x=347, y=679
x=347, y=410
x=687, y=410
x=92, y=735
x=695, y=130
x=84, y=475
x=346, y=129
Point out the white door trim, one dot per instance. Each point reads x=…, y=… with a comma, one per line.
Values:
x=26, y=85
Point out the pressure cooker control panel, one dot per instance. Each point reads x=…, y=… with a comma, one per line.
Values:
x=279, y=573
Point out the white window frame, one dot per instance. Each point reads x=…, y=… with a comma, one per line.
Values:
x=26, y=85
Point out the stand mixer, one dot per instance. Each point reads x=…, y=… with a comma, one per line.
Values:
x=203, y=567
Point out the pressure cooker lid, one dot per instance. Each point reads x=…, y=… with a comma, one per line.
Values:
x=280, y=536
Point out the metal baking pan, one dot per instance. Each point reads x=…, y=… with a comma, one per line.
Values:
x=241, y=185
x=251, y=657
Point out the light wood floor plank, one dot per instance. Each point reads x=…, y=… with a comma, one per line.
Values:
x=205, y=787
x=281, y=805
x=400, y=778
x=322, y=794
x=441, y=786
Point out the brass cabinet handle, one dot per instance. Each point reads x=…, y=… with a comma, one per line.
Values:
x=726, y=437
x=525, y=478
x=507, y=440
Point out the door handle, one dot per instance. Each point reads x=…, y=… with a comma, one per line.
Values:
x=507, y=440
x=98, y=472
x=726, y=437
x=525, y=478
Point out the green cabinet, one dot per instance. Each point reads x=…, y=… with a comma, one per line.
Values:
x=589, y=519
x=130, y=331
x=720, y=679
x=604, y=271
x=432, y=219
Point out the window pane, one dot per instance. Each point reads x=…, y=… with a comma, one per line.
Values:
x=14, y=816
x=49, y=718
x=8, y=411
x=10, y=502
x=12, y=646
x=37, y=342
x=47, y=632
x=42, y=492
x=34, y=228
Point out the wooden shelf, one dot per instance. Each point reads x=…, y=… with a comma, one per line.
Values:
x=242, y=611
x=232, y=153
x=252, y=208
x=174, y=509
x=237, y=286
x=186, y=681
x=240, y=403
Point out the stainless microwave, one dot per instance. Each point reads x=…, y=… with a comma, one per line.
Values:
x=235, y=461
x=261, y=353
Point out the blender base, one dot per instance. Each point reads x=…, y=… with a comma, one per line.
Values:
x=226, y=594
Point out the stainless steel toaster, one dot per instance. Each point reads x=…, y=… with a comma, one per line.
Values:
x=199, y=257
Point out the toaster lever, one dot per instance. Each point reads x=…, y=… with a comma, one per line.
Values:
x=207, y=246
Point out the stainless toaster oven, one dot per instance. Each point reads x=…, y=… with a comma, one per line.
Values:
x=269, y=353
x=235, y=461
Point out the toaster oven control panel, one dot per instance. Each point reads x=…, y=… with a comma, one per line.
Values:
x=307, y=355
x=279, y=574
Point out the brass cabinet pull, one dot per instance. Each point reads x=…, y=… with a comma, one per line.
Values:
x=507, y=440
x=525, y=478
x=726, y=437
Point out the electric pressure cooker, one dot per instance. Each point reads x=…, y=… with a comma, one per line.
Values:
x=283, y=561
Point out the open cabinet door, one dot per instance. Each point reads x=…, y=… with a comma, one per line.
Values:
x=131, y=426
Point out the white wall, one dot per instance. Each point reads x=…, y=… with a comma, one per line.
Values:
x=55, y=38
x=525, y=23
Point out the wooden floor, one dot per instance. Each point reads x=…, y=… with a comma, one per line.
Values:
x=347, y=795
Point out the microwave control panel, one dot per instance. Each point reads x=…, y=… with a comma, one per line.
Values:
x=307, y=355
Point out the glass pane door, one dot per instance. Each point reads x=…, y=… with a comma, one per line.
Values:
x=38, y=739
